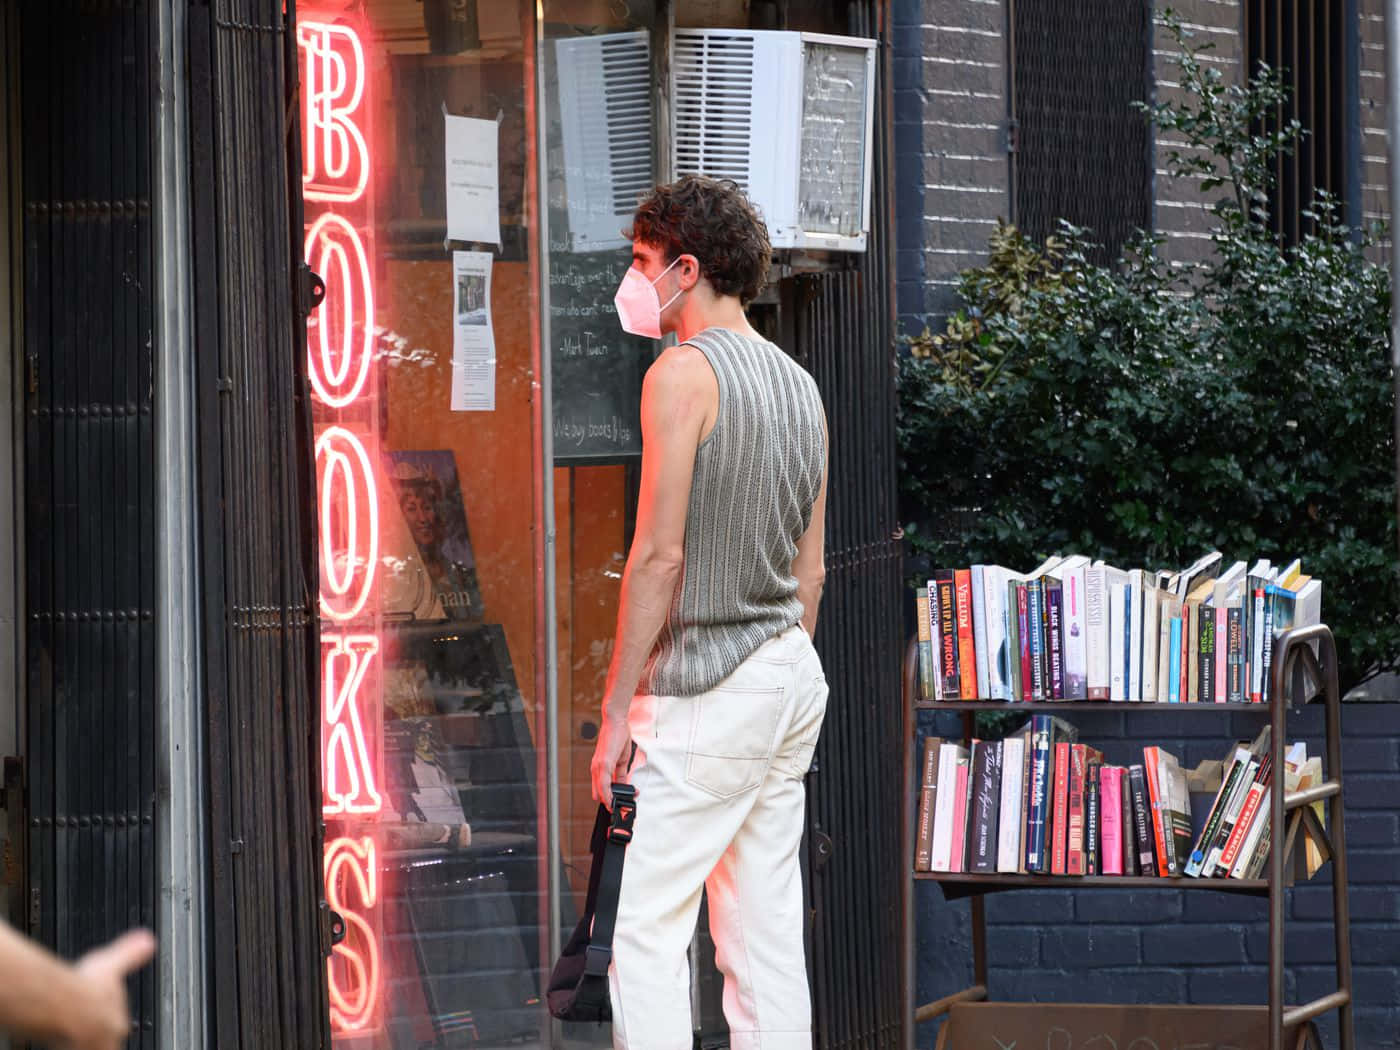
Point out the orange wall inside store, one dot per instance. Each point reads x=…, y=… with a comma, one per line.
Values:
x=494, y=455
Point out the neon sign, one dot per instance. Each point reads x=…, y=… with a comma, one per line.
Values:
x=340, y=365
x=352, y=890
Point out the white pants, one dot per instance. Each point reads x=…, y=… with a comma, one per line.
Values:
x=720, y=804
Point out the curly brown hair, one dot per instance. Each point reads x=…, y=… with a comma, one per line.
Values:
x=714, y=221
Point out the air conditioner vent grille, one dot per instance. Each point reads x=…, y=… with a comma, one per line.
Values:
x=713, y=121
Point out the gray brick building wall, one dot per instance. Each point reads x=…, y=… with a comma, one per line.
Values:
x=951, y=109
x=1195, y=946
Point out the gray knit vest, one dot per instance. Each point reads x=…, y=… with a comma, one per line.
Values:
x=756, y=477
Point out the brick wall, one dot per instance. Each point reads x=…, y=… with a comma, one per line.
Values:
x=1375, y=193
x=1180, y=209
x=1161, y=946
x=962, y=173
x=907, y=18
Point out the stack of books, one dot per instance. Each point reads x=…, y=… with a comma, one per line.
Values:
x=1073, y=629
x=1041, y=802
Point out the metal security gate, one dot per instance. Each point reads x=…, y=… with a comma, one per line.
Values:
x=1080, y=151
x=259, y=570
x=89, y=504
x=841, y=329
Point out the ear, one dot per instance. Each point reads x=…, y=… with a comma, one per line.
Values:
x=688, y=271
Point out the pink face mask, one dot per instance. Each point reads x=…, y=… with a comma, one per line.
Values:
x=638, y=306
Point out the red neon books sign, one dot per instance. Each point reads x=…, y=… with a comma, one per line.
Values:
x=340, y=356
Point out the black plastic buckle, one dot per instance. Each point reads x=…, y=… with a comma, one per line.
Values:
x=624, y=812
x=596, y=960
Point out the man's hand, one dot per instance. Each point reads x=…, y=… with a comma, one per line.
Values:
x=97, y=1015
x=611, y=756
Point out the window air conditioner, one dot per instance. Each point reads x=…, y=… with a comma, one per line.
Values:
x=605, y=117
x=786, y=115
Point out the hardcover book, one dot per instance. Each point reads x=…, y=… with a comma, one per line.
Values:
x=1151, y=637
x=979, y=632
x=950, y=755
x=948, y=628
x=1059, y=826
x=1096, y=623
x=1234, y=657
x=1009, y=820
x=1054, y=639
x=1023, y=638
x=1035, y=601
x=1039, y=798
x=1133, y=660
x=1176, y=811
x=1111, y=823
x=962, y=791
x=1205, y=654
x=926, y=690
x=1152, y=776
x=1142, y=820
x=967, y=658
x=986, y=808
x=928, y=792
x=1074, y=845
x=1093, y=819
x=1076, y=653
x=1119, y=628
x=1126, y=824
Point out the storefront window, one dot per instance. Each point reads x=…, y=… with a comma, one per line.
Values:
x=599, y=140
x=416, y=175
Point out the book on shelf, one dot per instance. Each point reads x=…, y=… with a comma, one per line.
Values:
x=1119, y=630
x=928, y=793
x=1176, y=810
x=1059, y=819
x=1009, y=820
x=1151, y=638
x=1153, y=786
x=1093, y=819
x=1111, y=831
x=967, y=659
x=1098, y=682
x=1076, y=653
x=957, y=847
x=1142, y=820
x=1036, y=626
x=985, y=807
x=979, y=631
x=925, y=634
x=1127, y=824
x=951, y=757
x=948, y=635
x=1054, y=639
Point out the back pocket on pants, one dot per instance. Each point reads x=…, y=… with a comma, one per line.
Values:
x=731, y=738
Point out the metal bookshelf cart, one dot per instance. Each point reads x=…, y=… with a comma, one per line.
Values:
x=1304, y=671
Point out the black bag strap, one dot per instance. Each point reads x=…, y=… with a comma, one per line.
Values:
x=611, y=833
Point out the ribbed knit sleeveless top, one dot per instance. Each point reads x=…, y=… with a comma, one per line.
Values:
x=757, y=474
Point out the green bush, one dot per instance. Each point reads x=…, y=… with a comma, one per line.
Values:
x=1147, y=412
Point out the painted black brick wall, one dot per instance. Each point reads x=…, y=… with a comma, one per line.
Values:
x=1195, y=946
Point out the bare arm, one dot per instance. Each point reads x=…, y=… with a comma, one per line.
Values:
x=810, y=564
x=677, y=396
x=82, y=1005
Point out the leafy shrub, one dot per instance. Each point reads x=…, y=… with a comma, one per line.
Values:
x=1147, y=412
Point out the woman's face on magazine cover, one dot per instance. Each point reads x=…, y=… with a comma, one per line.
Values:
x=422, y=518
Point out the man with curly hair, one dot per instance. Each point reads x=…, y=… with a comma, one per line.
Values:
x=714, y=679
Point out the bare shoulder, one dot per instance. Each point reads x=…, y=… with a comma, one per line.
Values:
x=680, y=386
x=682, y=371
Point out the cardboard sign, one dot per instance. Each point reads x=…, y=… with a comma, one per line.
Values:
x=1078, y=1026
